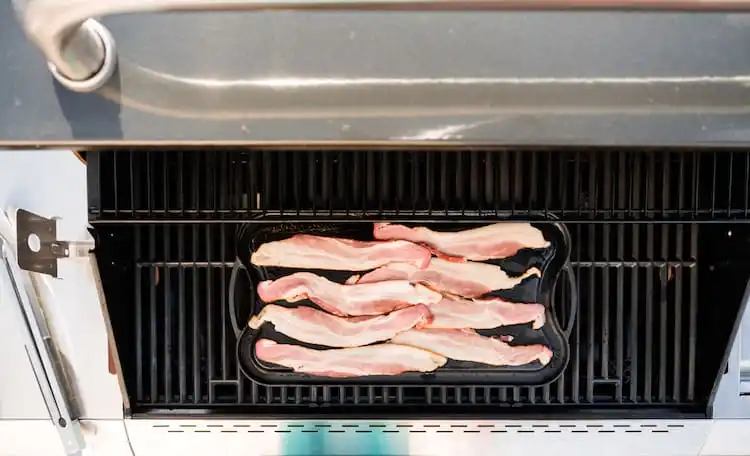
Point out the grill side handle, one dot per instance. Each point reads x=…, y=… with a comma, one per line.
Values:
x=81, y=53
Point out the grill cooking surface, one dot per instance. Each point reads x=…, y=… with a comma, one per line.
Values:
x=647, y=339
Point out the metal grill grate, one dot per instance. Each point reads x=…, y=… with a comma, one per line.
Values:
x=636, y=346
x=569, y=185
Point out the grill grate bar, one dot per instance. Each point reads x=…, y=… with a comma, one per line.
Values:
x=224, y=318
x=115, y=189
x=167, y=303
x=619, y=323
x=608, y=202
x=678, y=318
x=663, y=316
x=730, y=172
x=692, y=336
x=195, y=296
x=633, y=353
x=153, y=321
x=209, y=286
x=133, y=187
x=182, y=315
x=590, y=315
x=577, y=359
x=138, y=319
x=648, y=343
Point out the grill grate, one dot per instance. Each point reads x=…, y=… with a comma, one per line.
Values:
x=577, y=185
x=636, y=344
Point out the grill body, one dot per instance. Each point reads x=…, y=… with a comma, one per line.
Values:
x=657, y=241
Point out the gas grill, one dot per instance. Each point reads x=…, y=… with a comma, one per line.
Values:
x=613, y=123
x=642, y=242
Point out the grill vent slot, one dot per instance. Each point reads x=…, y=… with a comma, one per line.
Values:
x=569, y=185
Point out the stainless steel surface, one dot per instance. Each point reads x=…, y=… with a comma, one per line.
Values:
x=71, y=303
x=419, y=437
x=38, y=438
x=77, y=47
x=42, y=354
x=744, y=376
x=742, y=343
x=253, y=437
x=483, y=77
x=20, y=398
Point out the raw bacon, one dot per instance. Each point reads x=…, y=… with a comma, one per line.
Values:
x=318, y=252
x=317, y=327
x=379, y=359
x=469, y=279
x=468, y=345
x=500, y=240
x=483, y=313
x=347, y=300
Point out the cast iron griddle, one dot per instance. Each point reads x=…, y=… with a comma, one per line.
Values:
x=550, y=261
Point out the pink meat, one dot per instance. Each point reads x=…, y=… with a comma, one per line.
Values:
x=346, y=300
x=469, y=279
x=317, y=327
x=379, y=359
x=483, y=314
x=306, y=251
x=500, y=240
x=468, y=345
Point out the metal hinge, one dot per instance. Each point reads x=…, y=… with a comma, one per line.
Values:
x=38, y=247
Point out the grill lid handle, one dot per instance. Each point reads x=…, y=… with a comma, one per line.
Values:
x=81, y=53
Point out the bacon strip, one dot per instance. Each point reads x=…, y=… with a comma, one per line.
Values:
x=379, y=359
x=317, y=327
x=467, y=279
x=306, y=251
x=468, y=345
x=347, y=300
x=500, y=240
x=460, y=313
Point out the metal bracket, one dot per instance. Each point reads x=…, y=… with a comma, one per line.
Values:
x=38, y=247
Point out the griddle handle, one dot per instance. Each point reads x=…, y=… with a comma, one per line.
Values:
x=232, y=306
x=568, y=269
